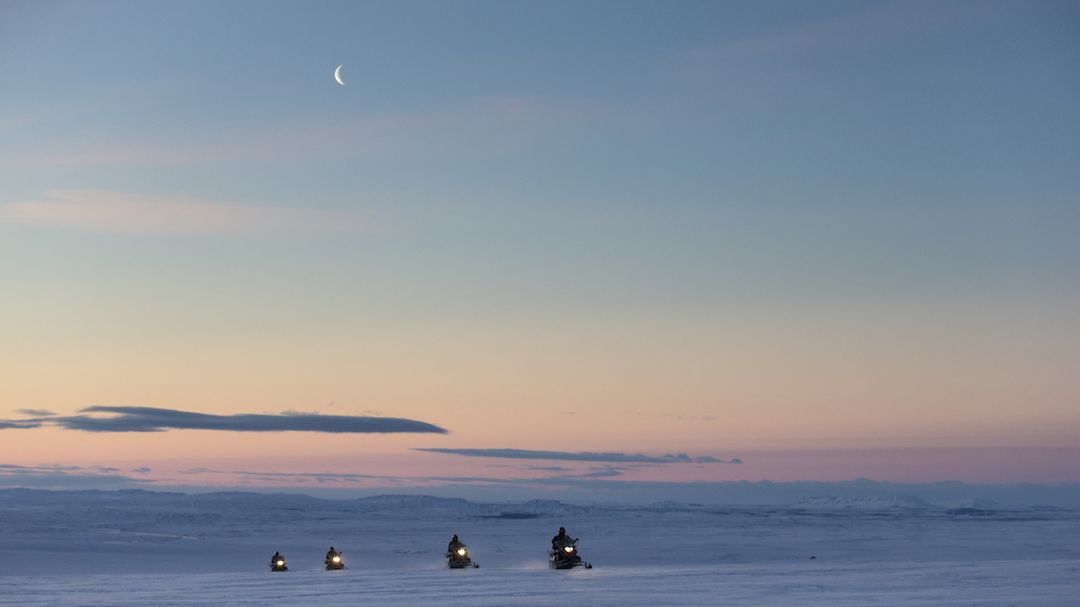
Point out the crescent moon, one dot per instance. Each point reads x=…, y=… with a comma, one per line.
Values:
x=337, y=75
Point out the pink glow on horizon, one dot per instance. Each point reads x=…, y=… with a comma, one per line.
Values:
x=990, y=465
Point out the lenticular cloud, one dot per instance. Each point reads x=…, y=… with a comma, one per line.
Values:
x=583, y=456
x=152, y=419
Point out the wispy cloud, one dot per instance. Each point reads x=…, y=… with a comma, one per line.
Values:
x=300, y=478
x=318, y=477
x=152, y=419
x=866, y=24
x=15, y=469
x=108, y=211
x=605, y=472
x=66, y=477
x=708, y=459
x=582, y=456
x=34, y=412
x=489, y=124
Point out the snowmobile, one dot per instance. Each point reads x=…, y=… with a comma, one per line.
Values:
x=334, y=562
x=459, y=559
x=277, y=563
x=567, y=557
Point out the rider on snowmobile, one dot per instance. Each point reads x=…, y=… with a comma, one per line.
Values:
x=454, y=545
x=277, y=562
x=333, y=559
x=561, y=540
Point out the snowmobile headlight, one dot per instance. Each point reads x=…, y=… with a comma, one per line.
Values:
x=280, y=563
x=461, y=552
x=569, y=548
x=336, y=559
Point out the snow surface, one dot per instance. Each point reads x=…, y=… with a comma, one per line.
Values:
x=131, y=548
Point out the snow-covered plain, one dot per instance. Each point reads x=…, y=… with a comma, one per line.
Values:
x=134, y=548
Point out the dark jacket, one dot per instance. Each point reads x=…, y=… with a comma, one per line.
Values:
x=560, y=540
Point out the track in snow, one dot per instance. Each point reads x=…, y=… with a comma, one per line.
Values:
x=1032, y=583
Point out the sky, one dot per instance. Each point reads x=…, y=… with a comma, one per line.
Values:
x=715, y=241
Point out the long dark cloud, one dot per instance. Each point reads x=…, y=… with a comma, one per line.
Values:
x=582, y=456
x=17, y=469
x=20, y=424
x=152, y=419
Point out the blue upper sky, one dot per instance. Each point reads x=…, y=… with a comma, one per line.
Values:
x=610, y=104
